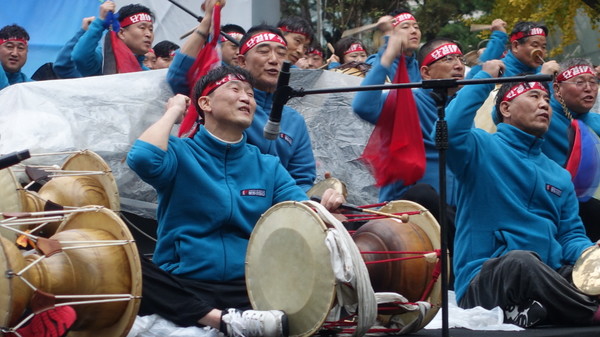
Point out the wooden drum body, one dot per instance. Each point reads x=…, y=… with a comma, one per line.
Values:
x=92, y=257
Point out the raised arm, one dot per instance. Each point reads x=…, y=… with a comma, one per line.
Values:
x=158, y=133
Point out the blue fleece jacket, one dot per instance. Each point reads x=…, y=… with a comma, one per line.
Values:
x=87, y=54
x=511, y=196
x=493, y=51
x=7, y=79
x=412, y=65
x=368, y=105
x=64, y=66
x=293, y=146
x=210, y=196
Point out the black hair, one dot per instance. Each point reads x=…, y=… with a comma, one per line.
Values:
x=128, y=10
x=14, y=31
x=260, y=28
x=506, y=88
x=526, y=26
x=233, y=28
x=399, y=10
x=342, y=45
x=297, y=24
x=164, y=48
x=430, y=45
x=214, y=76
x=316, y=46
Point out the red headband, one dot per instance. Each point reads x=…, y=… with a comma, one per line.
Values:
x=235, y=35
x=135, y=18
x=574, y=71
x=533, y=31
x=398, y=19
x=260, y=38
x=13, y=39
x=315, y=51
x=355, y=47
x=228, y=78
x=289, y=30
x=522, y=88
x=441, y=51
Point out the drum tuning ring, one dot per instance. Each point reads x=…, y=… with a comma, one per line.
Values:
x=10, y=274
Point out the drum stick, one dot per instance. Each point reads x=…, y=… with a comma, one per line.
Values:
x=363, y=28
x=478, y=27
x=403, y=217
x=330, y=47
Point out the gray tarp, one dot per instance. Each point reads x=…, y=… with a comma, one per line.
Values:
x=107, y=113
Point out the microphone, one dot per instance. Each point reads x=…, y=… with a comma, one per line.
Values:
x=11, y=159
x=280, y=97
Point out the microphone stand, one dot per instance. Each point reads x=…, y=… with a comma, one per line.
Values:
x=440, y=95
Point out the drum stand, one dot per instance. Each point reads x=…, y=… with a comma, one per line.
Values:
x=440, y=95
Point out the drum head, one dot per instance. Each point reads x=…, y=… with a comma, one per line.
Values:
x=586, y=270
x=11, y=199
x=108, y=221
x=288, y=267
x=90, y=161
x=14, y=293
x=320, y=187
x=430, y=226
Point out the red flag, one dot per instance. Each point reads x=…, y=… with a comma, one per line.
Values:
x=395, y=150
x=208, y=58
x=125, y=61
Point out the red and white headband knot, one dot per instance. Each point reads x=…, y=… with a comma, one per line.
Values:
x=228, y=78
x=315, y=51
x=522, y=88
x=287, y=29
x=235, y=35
x=260, y=38
x=13, y=39
x=574, y=71
x=135, y=18
x=440, y=52
x=398, y=19
x=532, y=32
x=355, y=47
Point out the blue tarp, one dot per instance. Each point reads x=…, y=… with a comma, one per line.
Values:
x=50, y=25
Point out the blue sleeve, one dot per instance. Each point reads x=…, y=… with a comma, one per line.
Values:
x=333, y=65
x=285, y=187
x=3, y=79
x=493, y=51
x=301, y=165
x=86, y=54
x=592, y=120
x=460, y=115
x=571, y=233
x=177, y=74
x=64, y=66
x=153, y=165
x=368, y=104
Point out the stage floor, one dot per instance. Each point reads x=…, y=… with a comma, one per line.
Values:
x=542, y=331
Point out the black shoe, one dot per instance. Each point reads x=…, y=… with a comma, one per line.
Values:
x=525, y=315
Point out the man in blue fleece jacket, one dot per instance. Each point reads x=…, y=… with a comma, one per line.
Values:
x=137, y=32
x=518, y=231
x=400, y=21
x=14, y=41
x=212, y=189
x=575, y=92
x=263, y=60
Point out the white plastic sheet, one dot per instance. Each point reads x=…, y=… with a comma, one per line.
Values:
x=107, y=113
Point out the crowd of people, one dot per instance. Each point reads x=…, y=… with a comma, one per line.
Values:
x=517, y=222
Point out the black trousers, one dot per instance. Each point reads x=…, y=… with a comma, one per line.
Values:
x=520, y=276
x=183, y=301
x=589, y=212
